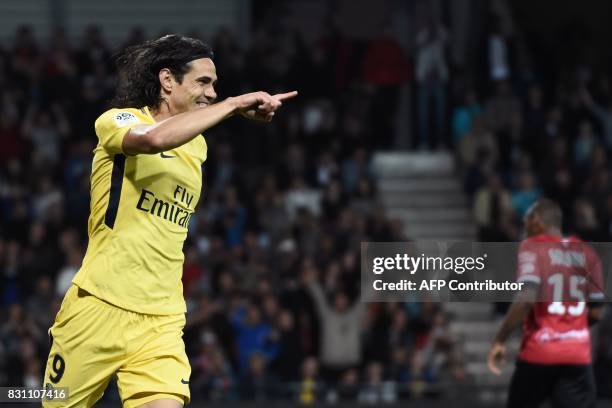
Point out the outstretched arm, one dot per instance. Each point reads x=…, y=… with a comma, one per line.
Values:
x=516, y=314
x=182, y=128
x=309, y=280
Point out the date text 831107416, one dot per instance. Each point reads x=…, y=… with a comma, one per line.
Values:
x=30, y=394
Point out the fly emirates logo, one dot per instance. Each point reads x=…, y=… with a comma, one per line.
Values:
x=178, y=211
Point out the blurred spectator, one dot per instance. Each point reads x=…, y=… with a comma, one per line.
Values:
x=20, y=335
x=94, y=51
x=603, y=115
x=341, y=327
x=492, y=209
x=584, y=145
x=375, y=389
x=333, y=202
x=464, y=115
x=535, y=111
x=300, y=195
x=46, y=131
x=562, y=190
x=253, y=336
x=385, y=67
x=498, y=52
x=13, y=144
x=26, y=59
x=65, y=275
x=431, y=73
x=354, y=168
x=349, y=386
x=479, y=141
x=586, y=225
x=526, y=193
x=135, y=36
x=38, y=304
x=212, y=374
x=287, y=361
x=193, y=272
x=439, y=351
x=257, y=385
x=502, y=107
x=310, y=386
x=47, y=196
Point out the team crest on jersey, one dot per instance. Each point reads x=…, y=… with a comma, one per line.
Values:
x=125, y=119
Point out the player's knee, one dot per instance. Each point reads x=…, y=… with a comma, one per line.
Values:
x=154, y=400
x=162, y=403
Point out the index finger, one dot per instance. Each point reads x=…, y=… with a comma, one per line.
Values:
x=286, y=95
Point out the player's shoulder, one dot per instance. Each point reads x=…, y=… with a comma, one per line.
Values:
x=121, y=117
x=572, y=239
x=531, y=242
x=530, y=248
x=577, y=244
x=544, y=238
x=540, y=240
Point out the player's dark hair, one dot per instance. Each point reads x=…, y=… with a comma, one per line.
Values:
x=549, y=212
x=138, y=68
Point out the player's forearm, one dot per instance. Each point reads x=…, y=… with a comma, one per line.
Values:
x=177, y=130
x=516, y=314
x=318, y=296
x=180, y=129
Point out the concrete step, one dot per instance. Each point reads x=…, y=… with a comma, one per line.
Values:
x=480, y=374
x=474, y=330
x=481, y=367
x=477, y=350
x=439, y=231
x=493, y=397
x=449, y=238
x=423, y=199
x=410, y=215
x=470, y=311
x=398, y=164
x=421, y=184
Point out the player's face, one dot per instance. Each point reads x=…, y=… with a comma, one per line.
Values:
x=197, y=88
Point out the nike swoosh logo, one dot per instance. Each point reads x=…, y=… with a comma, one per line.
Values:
x=183, y=381
x=165, y=156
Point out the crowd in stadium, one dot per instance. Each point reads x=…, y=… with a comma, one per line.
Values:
x=529, y=131
x=272, y=260
x=271, y=273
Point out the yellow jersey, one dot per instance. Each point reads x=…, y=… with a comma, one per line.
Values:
x=139, y=214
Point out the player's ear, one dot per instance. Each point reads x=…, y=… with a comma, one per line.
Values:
x=537, y=220
x=166, y=79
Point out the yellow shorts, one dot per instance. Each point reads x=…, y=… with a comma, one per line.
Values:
x=93, y=340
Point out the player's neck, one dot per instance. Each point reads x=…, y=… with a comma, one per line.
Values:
x=162, y=111
x=553, y=232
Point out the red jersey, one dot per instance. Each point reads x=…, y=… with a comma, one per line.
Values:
x=568, y=274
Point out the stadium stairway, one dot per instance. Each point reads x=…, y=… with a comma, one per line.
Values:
x=424, y=192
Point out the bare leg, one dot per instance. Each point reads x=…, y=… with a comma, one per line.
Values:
x=163, y=403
